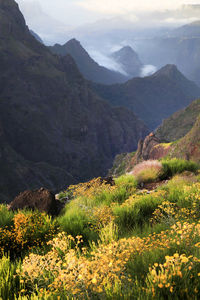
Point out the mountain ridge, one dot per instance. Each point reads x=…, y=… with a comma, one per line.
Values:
x=90, y=69
x=152, y=98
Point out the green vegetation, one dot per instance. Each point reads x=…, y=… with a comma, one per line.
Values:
x=179, y=124
x=177, y=166
x=147, y=171
x=113, y=242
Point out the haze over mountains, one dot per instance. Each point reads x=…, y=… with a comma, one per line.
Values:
x=87, y=66
x=54, y=130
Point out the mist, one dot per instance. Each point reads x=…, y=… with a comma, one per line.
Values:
x=148, y=70
x=106, y=61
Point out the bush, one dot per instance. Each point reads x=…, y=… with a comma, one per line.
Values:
x=76, y=221
x=30, y=229
x=147, y=171
x=137, y=210
x=177, y=166
x=6, y=216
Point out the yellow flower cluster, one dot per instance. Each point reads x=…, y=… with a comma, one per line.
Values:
x=100, y=217
x=91, y=188
x=29, y=229
x=166, y=276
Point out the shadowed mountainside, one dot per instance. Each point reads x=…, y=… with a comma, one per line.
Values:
x=87, y=66
x=54, y=130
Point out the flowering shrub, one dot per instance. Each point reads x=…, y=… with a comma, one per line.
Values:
x=29, y=229
x=178, y=275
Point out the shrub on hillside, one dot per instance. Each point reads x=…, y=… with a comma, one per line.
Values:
x=29, y=229
x=147, y=171
x=6, y=216
x=177, y=166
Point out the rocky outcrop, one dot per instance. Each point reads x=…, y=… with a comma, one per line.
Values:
x=42, y=200
x=150, y=148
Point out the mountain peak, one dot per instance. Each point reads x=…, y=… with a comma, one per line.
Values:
x=125, y=51
x=129, y=60
x=12, y=22
x=169, y=70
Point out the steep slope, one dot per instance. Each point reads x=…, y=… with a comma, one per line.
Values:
x=129, y=60
x=38, y=38
x=87, y=66
x=53, y=129
x=179, y=124
x=152, y=98
x=189, y=146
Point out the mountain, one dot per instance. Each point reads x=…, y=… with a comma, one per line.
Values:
x=87, y=66
x=54, y=130
x=187, y=31
x=129, y=60
x=179, y=124
x=152, y=98
x=38, y=38
x=179, y=49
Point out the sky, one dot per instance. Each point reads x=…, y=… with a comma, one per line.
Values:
x=78, y=12
x=57, y=21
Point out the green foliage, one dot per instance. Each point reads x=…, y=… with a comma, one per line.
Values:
x=29, y=230
x=147, y=171
x=177, y=166
x=6, y=216
x=9, y=280
x=137, y=213
x=75, y=221
x=115, y=242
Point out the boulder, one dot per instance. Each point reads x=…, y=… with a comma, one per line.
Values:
x=42, y=200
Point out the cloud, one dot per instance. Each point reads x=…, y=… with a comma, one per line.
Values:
x=121, y=7
x=148, y=70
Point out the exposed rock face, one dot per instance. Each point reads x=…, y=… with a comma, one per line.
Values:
x=87, y=66
x=54, y=131
x=42, y=200
x=150, y=148
x=152, y=98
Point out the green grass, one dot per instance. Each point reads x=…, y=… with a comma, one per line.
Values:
x=6, y=216
x=9, y=280
x=176, y=166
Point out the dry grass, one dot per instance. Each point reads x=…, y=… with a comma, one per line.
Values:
x=147, y=171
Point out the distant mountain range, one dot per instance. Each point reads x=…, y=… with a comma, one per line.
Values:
x=54, y=130
x=152, y=98
x=87, y=66
x=180, y=47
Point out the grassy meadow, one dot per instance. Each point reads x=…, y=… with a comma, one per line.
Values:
x=124, y=241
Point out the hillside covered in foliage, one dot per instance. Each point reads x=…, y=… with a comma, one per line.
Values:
x=135, y=239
